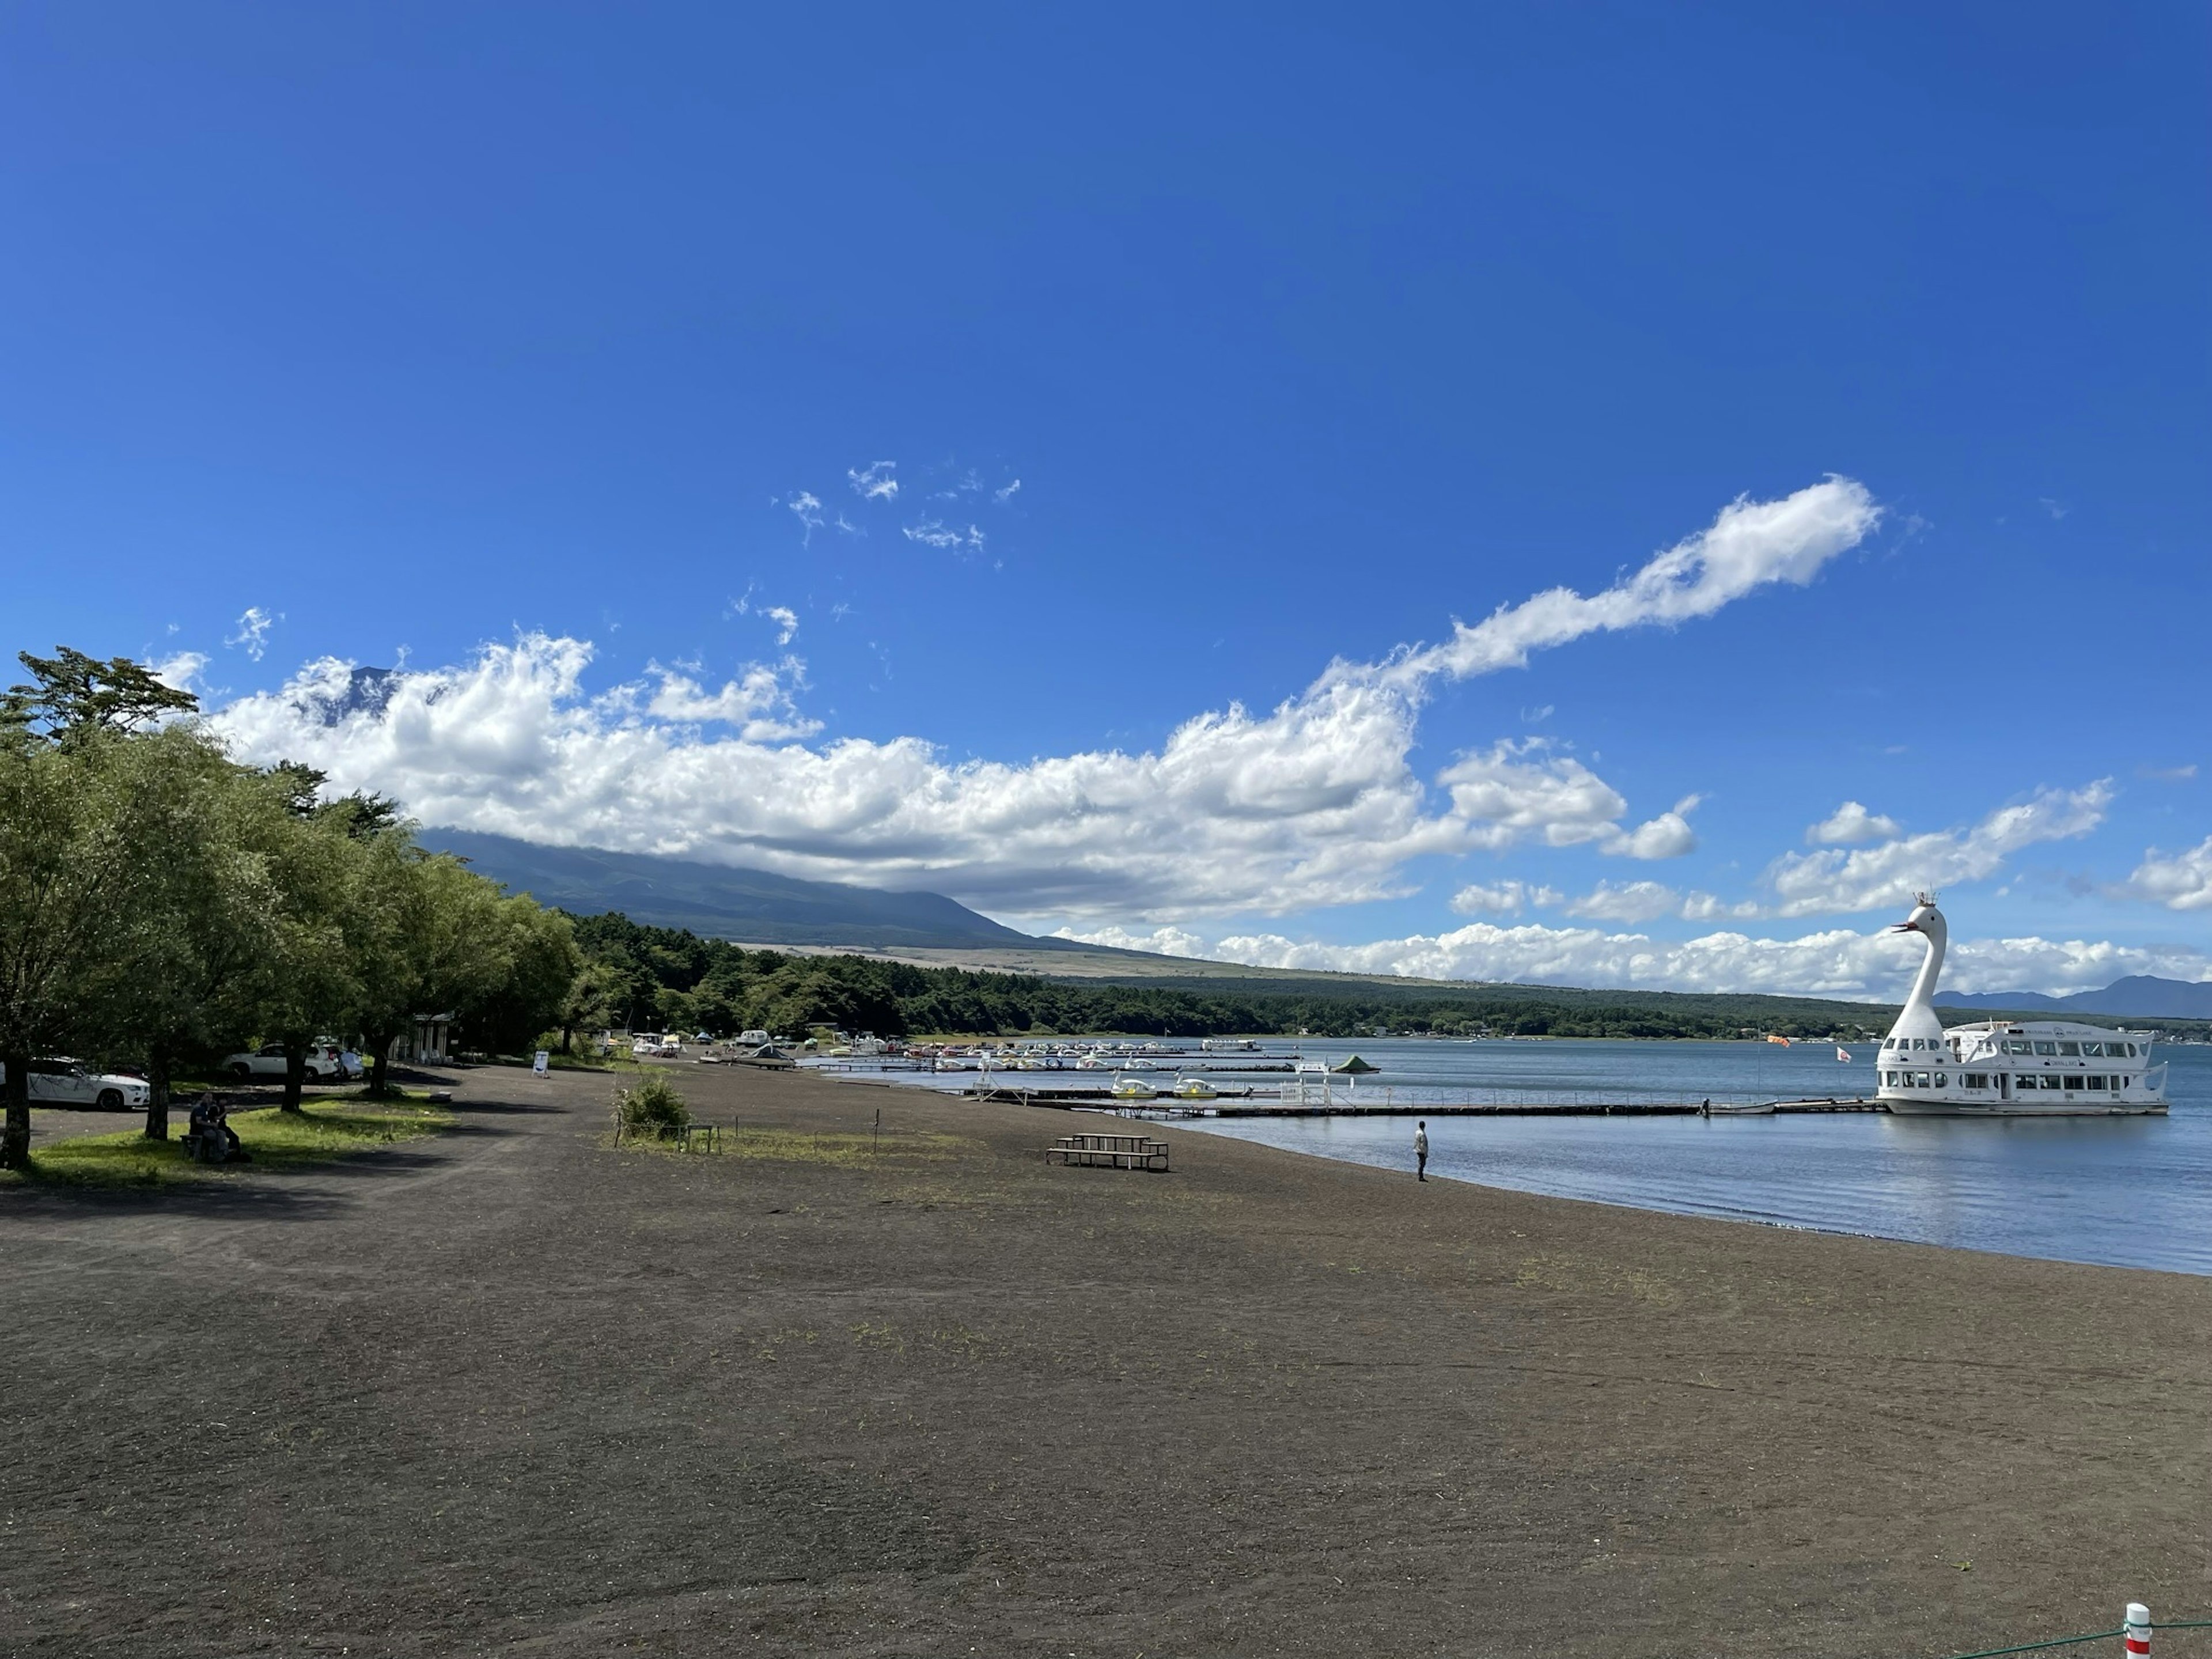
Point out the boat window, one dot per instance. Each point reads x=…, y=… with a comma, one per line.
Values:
x=2094, y=1050
x=1942, y=1080
x=2052, y=1080
x=2046, y=1047
x=1977, y=1079
x=2013, y=1047
x=2129, y=1049
x=2072, y=1050
x=1920, y=1080
x=2094, y=1081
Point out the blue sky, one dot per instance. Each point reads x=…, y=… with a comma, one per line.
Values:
x=510, y=344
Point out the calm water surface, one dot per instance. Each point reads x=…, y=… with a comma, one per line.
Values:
x=2127, y=1192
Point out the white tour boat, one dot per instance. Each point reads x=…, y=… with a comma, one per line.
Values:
x=2007, y=1068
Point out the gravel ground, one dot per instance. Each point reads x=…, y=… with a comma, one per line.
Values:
x=509, y=1390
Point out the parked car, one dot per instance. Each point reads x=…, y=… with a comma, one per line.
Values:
x=323, y=1062
x=62, y=1082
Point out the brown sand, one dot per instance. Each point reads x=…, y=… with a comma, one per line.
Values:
x=510, y=1391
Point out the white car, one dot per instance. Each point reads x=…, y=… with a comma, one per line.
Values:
x=65, y=1083
x=323, y=1062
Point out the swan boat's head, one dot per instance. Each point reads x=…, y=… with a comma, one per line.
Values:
x=1926, y=920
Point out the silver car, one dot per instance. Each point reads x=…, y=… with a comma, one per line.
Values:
x=323, y=1062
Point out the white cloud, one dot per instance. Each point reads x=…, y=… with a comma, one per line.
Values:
x=2168, y=773
x=1750, y=545
x=1313, y=802
x=1708, y=907
x=1850, y=825
x=1838, y=964
x=1505, y=898
x=1667, y=836
x=2182, y=882
x=758, y=702
x=1519, y=792
x=878, y=483
x=785, y=620
x=252, y=635
x=2056, y=509
x=1002, y=497
x=1632, y=901
x=806, y=506
x=181, y=672
x=1163, y=941
x=932, y=532
x=1871, y=877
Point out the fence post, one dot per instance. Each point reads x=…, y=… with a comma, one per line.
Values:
x=2138, y=1630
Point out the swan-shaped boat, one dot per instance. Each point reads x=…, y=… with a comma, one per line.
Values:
x=2004, y=1067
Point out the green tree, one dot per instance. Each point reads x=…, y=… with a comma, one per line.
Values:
x=307, y=984
x=65, y=886
x=70, y=694
x=172, y=974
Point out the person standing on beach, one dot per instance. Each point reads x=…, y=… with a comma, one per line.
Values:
x=1421, y=1151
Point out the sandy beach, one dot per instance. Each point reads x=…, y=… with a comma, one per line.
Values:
x=509, y=1390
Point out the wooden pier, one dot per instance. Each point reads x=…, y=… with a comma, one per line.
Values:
x=1227, y=1105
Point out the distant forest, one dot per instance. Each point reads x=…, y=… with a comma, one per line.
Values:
x=669, y=979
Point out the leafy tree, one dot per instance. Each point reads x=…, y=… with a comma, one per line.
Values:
x=596, y=997
x=70, y=694
x=309, y=981
x=64, y=884
x=168, y=981
x=535, y=962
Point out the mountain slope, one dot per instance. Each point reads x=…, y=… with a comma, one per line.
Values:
x=2139, y=996
x=720, y=903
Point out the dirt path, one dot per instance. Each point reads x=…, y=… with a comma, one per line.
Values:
x=509, y=1391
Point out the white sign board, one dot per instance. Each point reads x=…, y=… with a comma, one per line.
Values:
x=537, y=1066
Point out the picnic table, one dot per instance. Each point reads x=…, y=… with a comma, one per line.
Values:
x=1106, y=1149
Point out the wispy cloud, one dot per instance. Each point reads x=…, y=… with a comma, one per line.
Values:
x=182, y=672
x=2168, y=773
x=784, y=618
x=2056, y=509
x=1632, y=901
x=877, y=482
x=1871, y=878
x=1502, y=898
x=807, y=506
x=932, y=532
x=252, y=635
x=1751, y=545
x=1002, y=497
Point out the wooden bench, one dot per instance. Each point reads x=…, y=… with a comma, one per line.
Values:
x=1109, y=1151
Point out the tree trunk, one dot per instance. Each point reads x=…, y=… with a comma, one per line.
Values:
x=377, y=1045
x=295, y=1073
x=157, y=1093
x=15, y=1140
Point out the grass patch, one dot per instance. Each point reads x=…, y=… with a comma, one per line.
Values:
x=842, y=1152
x=326, y=1129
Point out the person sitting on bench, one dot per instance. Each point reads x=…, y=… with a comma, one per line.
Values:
x=210, y=1138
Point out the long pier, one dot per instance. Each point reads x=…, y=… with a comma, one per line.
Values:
x=1248, y=1105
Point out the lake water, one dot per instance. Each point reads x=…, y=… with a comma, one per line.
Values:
x=2128, y=1191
